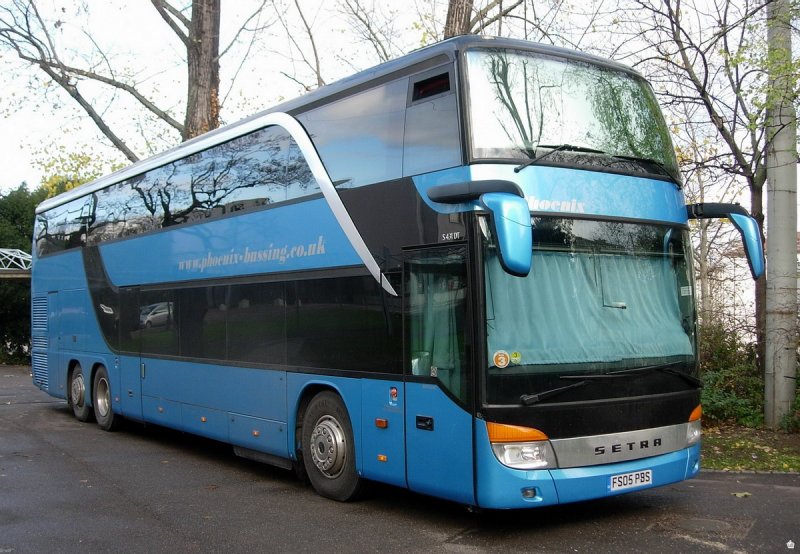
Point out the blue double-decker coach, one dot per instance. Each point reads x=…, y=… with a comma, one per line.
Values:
x=466, y=272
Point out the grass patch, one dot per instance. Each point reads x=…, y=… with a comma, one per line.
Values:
x=737, y=448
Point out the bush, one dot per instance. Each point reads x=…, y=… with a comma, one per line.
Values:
x=15, y=322
x=733, y=386
x=791, y=421
x=16, y=231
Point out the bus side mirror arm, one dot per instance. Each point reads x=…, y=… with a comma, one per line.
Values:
x=744, y=223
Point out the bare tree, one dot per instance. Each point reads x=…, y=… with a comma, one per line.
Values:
x=716, y=244
x=311, y=60
x=200, y=36
x=464, y=18
x=25, y=31
x=458, y=15
x=711, y=60
x=372, y=27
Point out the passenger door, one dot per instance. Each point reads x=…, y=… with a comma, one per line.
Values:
x=439, y=451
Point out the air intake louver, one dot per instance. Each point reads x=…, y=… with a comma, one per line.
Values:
x=39, y=318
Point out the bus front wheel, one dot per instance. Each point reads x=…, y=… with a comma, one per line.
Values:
x=77, y=394
x=101, y=398
x=328, y=449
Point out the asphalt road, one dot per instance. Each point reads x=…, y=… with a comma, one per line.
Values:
x=67, y=486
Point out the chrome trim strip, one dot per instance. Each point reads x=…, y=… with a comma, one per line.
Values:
x=297, y=132
x=619, y=447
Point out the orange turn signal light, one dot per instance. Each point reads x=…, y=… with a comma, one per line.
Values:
x=697, y=413
x=513, y=433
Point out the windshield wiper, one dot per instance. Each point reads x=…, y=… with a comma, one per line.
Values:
x=531, y=399
x=663, y=368
x=636, y=371
x=555, y=148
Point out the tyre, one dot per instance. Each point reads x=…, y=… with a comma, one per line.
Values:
x=328, y=449
x=77, y=394
x=101, y=399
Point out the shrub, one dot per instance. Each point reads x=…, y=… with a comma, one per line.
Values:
x=791, y=421
x=733, y=387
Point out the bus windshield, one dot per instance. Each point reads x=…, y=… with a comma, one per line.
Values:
x=602, y=297
x=523, y=104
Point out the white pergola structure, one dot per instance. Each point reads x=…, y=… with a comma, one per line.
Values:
x=14, y=264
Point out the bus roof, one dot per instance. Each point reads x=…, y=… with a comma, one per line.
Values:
x=427, y=57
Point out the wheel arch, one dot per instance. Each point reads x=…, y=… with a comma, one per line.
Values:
x=70, y=368
x=96, y=364
x=309, y=391
x=90, y=366
x=348, y=389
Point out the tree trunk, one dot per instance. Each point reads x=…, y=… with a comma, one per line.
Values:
x=202, y=106
x=458, y=15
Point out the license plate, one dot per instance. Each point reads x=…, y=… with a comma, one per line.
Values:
x=631, y=480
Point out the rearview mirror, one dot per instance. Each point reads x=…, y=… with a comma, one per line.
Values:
x=511, y=225
x=509, y=217
x=744, y=223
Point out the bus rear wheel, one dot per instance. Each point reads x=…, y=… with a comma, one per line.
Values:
x=77, y=394
x=101, y=399
x=328, y=449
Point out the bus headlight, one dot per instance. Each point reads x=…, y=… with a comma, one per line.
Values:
x=693, y=432
x=525, y=455
x=521, y=447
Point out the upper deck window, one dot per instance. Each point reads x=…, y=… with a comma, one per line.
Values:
x=523, y=104
x=360, y=137
x=258, y=169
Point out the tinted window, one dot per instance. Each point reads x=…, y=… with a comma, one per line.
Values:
x=249, y=172
x=65, y=226
x=256, y=323
x=49, y=233
x=344, y=324
x=437, y=300
x=201, y=314
x=130, y=320
x=113, y=214
x=360, y=138
x=299, y=180
x=157, y=325
x=432, y=137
